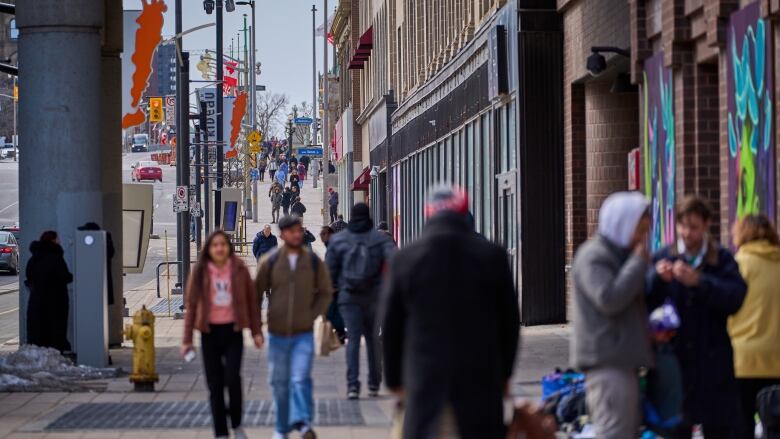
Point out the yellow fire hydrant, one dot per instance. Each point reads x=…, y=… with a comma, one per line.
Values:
x=141, y=332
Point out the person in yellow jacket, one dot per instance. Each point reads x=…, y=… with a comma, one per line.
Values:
x=755, y=329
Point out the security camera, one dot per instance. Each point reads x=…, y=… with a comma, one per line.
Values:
x=208, y=5
x=374, y=172
x=596, y=63
x=230, y=5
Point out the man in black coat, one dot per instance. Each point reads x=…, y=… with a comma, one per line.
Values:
x=287, y=199
x=450, y=325
x=703, y=282
x=298, y=208
x=264, y=242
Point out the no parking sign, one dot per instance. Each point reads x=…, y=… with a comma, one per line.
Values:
x=180, y=201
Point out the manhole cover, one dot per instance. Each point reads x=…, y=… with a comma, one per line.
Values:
x=162, y=306
x=193, y=414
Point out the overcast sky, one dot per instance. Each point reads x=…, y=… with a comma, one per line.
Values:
x=283, y=39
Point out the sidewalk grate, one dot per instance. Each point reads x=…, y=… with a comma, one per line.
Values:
x=192, y=414
x=162, y=306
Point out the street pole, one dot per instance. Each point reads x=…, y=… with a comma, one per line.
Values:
x=253, y=106
x=182, y=149
x=247, y=161
x=206, y=171
x=325, y=128
x=220, y=127
x=198, y=194
x=314, y=72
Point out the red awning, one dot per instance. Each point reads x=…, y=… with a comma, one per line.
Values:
x=363, y=50
x=361, y=183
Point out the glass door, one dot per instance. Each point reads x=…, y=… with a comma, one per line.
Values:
x=507, y=224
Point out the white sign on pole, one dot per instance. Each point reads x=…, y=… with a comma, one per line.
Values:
x=195, y=210
x=170, y=110
x=180, y=200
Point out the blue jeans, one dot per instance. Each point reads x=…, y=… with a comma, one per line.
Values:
x=290, y=361
x=360, y=322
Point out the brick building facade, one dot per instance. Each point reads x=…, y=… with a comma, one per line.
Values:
x=700, y=106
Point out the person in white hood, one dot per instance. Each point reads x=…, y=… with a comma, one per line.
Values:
x=611, y=339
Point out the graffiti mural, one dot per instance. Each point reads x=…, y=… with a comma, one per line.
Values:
x=751, y=158
x=658, y=148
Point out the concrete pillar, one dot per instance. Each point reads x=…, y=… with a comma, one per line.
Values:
x=60, y=181
x=111, y=155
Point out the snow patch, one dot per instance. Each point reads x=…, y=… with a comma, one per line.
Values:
x=34, y=368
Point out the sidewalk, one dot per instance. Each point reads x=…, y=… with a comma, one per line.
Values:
x=178, y=407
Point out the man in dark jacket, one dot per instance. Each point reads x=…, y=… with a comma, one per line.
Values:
x=703, y=281
x=298, y=208
x=450, y=325
x=47, y=277
x=287, y=199
x=356, y=258
x=333, y=203
x=264, y=242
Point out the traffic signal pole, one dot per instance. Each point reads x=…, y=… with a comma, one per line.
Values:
x=220, y=123
x=182, y=148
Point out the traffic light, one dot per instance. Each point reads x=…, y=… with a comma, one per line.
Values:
x=156, y=112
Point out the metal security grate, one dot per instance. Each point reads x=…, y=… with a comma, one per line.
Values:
x=161, y=307
x=193, y=414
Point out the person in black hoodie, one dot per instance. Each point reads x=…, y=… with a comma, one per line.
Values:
x=287, y=198
x=298, y=208
x=47, y=277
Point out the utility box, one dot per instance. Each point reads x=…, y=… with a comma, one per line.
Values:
x=90, y=299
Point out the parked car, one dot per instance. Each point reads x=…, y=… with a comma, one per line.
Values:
x=8, y=151
x=146, y=171
x=9, y=252
x=15, y=230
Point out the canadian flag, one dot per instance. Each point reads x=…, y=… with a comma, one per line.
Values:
x=230, y=78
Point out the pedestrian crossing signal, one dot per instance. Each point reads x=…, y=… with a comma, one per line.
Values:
x=156, y=111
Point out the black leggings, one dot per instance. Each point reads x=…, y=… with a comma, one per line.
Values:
x=223, y=348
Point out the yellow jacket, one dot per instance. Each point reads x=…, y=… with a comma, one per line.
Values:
x=755, y=328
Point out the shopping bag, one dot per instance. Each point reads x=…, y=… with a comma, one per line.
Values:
x=325, y=340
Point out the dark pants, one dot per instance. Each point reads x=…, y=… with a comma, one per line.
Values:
x=271, y=173
x=47, y=322
x=262, y=175
x=333, y=213
x=685, y=431
x=275, y=214
x=286, y=210
x=748, y=391
x=223, y=348
x=359, y=320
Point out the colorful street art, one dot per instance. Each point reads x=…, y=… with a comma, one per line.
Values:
x=751, y=161
x=658, y=148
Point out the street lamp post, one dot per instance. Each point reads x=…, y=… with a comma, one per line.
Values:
x=290, y=131
x=220, y=123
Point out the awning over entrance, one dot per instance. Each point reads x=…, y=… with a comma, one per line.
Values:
x=361, y=183
x=363, y=50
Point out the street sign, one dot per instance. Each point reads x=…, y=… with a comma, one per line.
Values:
x=303, y=121
x=254, y=138
x=310, y=151
x=170, y=110
x=195, y=210
x=156, y=112
x=180, y=201
x=254, y=149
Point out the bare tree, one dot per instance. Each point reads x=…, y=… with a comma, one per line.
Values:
x=271, y=113
x=303, y=132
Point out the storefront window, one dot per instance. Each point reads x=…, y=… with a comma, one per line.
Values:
x=441, y=175
x=469, y=165
x=478, y=154
x=512, y=128
x=501, y=128
x=488, y=178
x=456, y=158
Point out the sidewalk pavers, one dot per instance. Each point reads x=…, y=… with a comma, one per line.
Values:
x=182, y=385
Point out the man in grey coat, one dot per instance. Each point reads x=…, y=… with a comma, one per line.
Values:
x=611, y=339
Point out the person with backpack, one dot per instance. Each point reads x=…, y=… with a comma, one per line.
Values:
x=356, y=258
x=299, y=290
x=298, y=208
x=287, y=199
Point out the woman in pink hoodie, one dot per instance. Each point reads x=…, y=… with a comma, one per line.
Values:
x=221, y=303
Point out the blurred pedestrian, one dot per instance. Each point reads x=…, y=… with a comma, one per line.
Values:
x=293, y=162
x=608, y=275
x=274, y=184
x=302, y=171
x=281, y=173
x=755, y=328
x=48, y=307
x=297, y=208
x=385, y=229
x=221, y=303
x=356, y=258
x=264, y=242
x=308, y=238
x=299, y=289
x=703, y=282
x=287, y=200
x=450, y=325
x=276, y=204
x=295, y=179
x=262, y=164
x=333, y=315
x=325, y=234
x=333, y=204
x=339, y=224
x=273, y=166
x=306, y=161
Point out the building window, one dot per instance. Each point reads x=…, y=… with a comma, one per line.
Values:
x=512, y=134
x=13, y=31
x=488, y=178
x=468, y=166
x=478, y=184
x=456, y=179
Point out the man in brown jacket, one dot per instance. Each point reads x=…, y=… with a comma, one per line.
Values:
x=300, y=289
